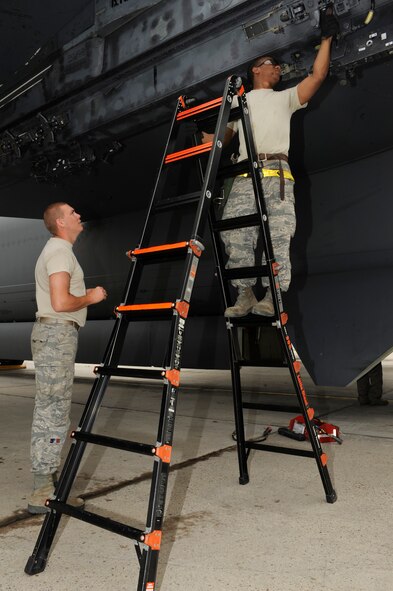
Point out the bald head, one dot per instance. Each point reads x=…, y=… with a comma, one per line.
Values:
x=53, y=212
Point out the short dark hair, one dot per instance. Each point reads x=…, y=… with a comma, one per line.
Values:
x=250, y=73
x=51, y=214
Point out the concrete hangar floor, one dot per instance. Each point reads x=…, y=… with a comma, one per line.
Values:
x=277, y=533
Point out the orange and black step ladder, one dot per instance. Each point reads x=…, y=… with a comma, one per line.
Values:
x=151, y=255
x=158, y=252
x=235, y=326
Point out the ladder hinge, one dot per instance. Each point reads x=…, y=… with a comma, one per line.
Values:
x=164, y=452
x=324, y=459
x=275, y=268
x=152, y=539
x=182, y=308
x=283, y=318
x=196, y=247
x=173, y=376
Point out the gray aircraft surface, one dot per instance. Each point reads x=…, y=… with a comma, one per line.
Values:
x=85, y=119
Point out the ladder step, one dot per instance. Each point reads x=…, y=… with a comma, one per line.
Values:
x=115, y=443
x=159, y=310
x=188, y=153
x=252, y=320
x=198, y=109
x=130, y=372
x=165, y=251
x=104, y=522
x=244, y=221
x=278, y=407
x=281, y=450
x=172, y=375
x=242, y=272
x=186, y=199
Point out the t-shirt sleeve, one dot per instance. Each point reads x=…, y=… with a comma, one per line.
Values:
x=294, y=103
x=60, y=261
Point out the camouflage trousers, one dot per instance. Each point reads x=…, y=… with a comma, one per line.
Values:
x=240, y=244
x=54, y=349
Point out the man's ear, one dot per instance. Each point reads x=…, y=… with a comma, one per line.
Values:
x=60, y=222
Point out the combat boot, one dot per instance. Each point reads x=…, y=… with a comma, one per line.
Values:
x=245, y=301
x=265, y=307
x=43, y=490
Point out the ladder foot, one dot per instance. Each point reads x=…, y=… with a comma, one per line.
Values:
x=244, y=479
x=35, y=566
x=332, y=497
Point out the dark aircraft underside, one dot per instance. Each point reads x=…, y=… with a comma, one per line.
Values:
x=92, y=129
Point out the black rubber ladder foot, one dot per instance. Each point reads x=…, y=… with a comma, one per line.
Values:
x=244, y=479
x=34, y=566
x=331, y=497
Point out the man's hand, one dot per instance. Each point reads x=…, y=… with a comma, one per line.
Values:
x=96, y=294
x=328, y=23
x=207, y=137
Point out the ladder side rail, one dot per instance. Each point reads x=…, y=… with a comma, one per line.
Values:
x=159, y=483
x=215, y=153
x=224, y=289
x=36, y=563
x=170, y=392
x=307, y=411
x=217, y=251
x=308, y=414
x=161, y=177
x=165, y=432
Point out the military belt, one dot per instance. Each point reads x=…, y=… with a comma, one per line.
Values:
x=45, y=320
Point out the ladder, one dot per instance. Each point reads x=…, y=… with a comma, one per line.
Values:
x=280, y=319
x=146, y=256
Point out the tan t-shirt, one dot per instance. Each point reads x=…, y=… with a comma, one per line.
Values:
x=57, y=256
x=270, y=116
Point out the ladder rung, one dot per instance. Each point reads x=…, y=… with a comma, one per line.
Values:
x=194, y=151
x=104, y=522
x=252, y=320
x=242, y=272
x=165, y=250
x=198, y=109
x=281, y=450
x=244, y=221
x=130, y=372
x=134, y=446
x=233, y=169
x=156, y=310
x=278, y=407
x=172, y=375
x=154, y=250
x=187, y=199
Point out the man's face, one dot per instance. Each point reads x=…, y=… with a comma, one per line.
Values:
x=71, y=221
x=267, y=70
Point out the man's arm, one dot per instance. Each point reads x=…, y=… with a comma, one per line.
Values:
x=208, y=137
x=309, y=86
x=63, y=301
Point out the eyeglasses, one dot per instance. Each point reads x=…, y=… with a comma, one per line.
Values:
x=268, y=62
